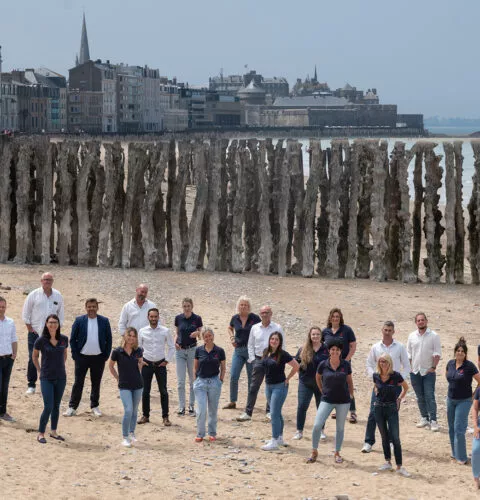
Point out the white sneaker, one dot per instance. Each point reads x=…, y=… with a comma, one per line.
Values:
x=434, y=426
x=403, y=472
x=385, y=466
x=323, y=436
x=71, y=412
x=367, y=448
x=126, y=442
x=30, y=391
x=268, y=417
x=272, y=445
x=133, y=439
x=298, y=435
x=281, y=442
x=423, y=423
x=244, y=417
x=96, y=412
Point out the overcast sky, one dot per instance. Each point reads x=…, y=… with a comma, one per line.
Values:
x=419, y=54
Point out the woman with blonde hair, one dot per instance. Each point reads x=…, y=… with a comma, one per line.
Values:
x=386, y=405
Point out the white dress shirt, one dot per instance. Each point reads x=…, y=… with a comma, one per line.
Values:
x=397, y=351
x=134, y=315
x=38, y=306
x=8, y=335
x=92, y=346
x=421, y=349
x=154, y=341
x=258, y=339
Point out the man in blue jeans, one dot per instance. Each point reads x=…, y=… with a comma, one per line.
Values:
x=424, y=350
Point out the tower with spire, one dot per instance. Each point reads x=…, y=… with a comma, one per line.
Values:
x=84, y=54
x=315, y=75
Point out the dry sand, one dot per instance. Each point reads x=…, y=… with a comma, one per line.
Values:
x=166, y=462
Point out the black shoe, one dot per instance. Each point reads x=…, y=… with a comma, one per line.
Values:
x=191, y=411
x=181, y=411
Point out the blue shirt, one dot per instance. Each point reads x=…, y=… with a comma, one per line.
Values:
x=209, y=362
x=129, y=376
x=387, y=392
x=275, y=369
x=52, y=365
x=307, y=375
x=242, y=333
x=334, y=382
x=344, y=334
x=186, y=326
x=460, y=381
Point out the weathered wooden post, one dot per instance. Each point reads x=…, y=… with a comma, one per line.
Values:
x=8, y=158
x=474, y=217
x=355, y=182
x=47, y=203
x=459, y=219
x=266, y=243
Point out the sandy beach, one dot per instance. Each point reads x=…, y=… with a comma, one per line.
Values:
x=166, y=462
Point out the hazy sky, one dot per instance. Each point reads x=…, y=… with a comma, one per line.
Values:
x=419, y=54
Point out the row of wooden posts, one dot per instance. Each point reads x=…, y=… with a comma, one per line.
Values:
x=93, y=204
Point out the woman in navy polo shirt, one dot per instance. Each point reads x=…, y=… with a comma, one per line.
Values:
x=188, y=326
x=386, y=406
x=459, y=372
x=276, y=388
x=476, y=438
x=334, y=379
x=337, y=329
x=209, y=374
x=309, y=356
x=53, y=377
x=239, y=330
x=129, y=358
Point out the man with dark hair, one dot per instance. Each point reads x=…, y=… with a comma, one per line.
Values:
x=8, y=353
x=91, y=343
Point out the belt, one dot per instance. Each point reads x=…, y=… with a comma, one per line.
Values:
x=241, y=345
x=380, y=403
x=6, y=356
x=188, y=347
x=258, y=357
x=154, y=363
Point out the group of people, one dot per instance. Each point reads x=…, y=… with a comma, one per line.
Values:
x=324, y=365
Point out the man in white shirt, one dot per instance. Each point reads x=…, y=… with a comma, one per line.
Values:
x=8, y=353
x=424, y=351
x=90, y=343
x=135, y=312
x=401, y=364
x=39, y=304
x=257, y=343
x=158, y=350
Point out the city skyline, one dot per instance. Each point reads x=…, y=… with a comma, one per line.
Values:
x=418, y=58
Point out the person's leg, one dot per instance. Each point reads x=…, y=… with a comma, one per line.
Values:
x=381, y=421
x=97, y=367
x=6, y=366
x=59, y=389
x=136, y=397
x=126, y=396
x=147, y=375
x=417, y=384
x=462, y=410
x=304, y=398
x=190, y=366
x=371, y=424
x=342, y=412
x=181, y=367
x=201, y=397
x=257, y=378
x=48, y=402
x=235, y=369
x=476, y=458
x=249, y=367
x=280, y=400
x=451, y=406
x=323, y=412
x=161, y=376
x=213, y=397
x=31, y=370
x=393, y=435
x=275, y=401
x=268, y=396
x=81, y=368
x=429, y=392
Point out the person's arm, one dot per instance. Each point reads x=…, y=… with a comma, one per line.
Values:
x=251, y=346
x=14, y=341
x=123, y=320
x=318, y=380
x=108, y=338
x=35, y=357
x=350, y=384
x=405, y=363
x=140, y=364
x=437, y=352
x=295, y=367
x=177, y=338
x=223, y=369
x=171, y=349
x=477, y=380
x=113, y=371
x=61, y=310
x=27, y=312
x=74, y=339
x=352, y=348
x=65, y=352
x=370, y=364
x=14, y=350
x=195, y=368
x=409, y=349
x=404, y=385
x=231, y=333
x=476, y=430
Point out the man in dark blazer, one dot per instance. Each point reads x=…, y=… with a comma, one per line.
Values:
x=91, y=343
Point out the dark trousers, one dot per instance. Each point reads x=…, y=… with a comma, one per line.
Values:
x=160, y=373
x=6, y=365
x=258, y=374
x=52, y=392
x=388, y=423
x=83, y=363
x=31, y=370
x=371, y=423
x=305, y=394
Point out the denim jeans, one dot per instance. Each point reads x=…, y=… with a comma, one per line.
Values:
x=207, y=393
x=130, y=399
x=160, y=373
x=276, y=395
x=52, y=392
x=239, y=358
x=185, y=359
x=323, y=412
x=371, y=422
x=424, y=387
x=386, y=417
x=258, y=374
x=6, y=365
x=457, y=415
x=476, y=456
x=31, y=370
x=305, y=394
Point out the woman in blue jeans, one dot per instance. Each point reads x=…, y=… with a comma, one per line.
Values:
x=276, y=388
x=386, y=405
x=129, y=359
x=476, y=438
x=459, y=372
x=309, y=356
x=52, y=374
x=209, y=374
x=239, y=331
x=334, y=379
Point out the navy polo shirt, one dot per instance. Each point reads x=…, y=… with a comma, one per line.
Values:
x=460, y=381
x=52, y=365
x=242, y=333
x=186, y=326
x=275, y=370
x=477, y=394
x=387, y=392
x=129, y=376
x=209, y=362
x=334, y=382
x=344, y=333
x=307, y=376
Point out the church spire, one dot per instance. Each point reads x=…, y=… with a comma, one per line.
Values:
x=315, y=75
x=84, y=54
